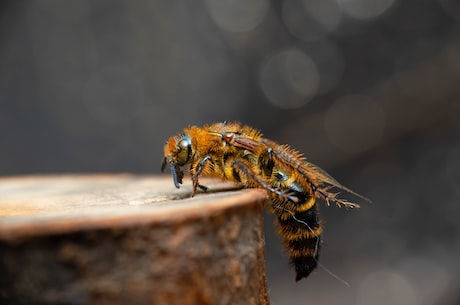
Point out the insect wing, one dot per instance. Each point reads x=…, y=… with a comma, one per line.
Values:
x=313, y=174
x=324, y=177
x=248, y=143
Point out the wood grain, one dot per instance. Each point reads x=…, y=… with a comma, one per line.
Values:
x=129, y=239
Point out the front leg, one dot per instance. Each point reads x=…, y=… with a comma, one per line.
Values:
x=195, y=175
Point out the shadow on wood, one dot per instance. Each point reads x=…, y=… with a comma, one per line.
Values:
x=127, y=239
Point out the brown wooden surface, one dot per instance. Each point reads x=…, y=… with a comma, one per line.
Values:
x=129, y=239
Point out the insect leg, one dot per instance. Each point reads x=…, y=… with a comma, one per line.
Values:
x=176, y=171
x=251, y=178
x=266, y=161
x=198, y=171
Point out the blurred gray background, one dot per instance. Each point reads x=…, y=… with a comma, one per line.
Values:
x=369, y=90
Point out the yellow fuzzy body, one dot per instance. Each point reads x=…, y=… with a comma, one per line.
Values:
x=239, y=153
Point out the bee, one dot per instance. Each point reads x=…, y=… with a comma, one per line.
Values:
x=239, y=153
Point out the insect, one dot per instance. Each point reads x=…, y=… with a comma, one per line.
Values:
x=239, y=153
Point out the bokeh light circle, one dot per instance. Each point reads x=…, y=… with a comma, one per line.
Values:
x=289, y=79
x=237, y=15
x=309, y=20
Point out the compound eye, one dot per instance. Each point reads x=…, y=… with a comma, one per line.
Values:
x=184, y=150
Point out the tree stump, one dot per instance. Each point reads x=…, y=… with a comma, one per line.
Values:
x=129, y=239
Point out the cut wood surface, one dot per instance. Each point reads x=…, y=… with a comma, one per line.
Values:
x=129, y=239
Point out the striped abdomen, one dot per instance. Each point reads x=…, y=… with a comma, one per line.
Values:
x=299, y=227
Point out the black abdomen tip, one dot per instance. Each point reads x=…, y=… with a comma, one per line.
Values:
x=304, y=266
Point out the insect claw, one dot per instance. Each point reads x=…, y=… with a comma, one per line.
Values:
x=289, y=195
x=347, y=204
